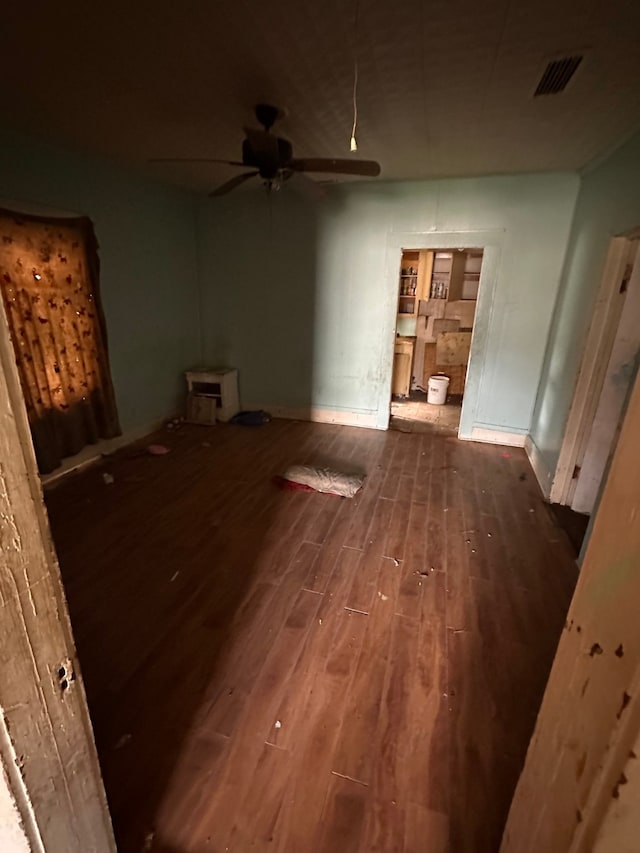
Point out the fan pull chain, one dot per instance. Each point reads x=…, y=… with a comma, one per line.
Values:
x=353, y=144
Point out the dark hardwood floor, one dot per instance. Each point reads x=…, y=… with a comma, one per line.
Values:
x=285, y=671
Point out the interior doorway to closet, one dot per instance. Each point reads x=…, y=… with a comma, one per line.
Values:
x=607, y=373
x=437, y=297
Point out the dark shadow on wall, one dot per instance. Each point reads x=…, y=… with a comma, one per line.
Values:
x=259, y=253
x=158, y=565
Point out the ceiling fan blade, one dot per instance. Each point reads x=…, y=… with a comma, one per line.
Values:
x=225, y=188
x=194, y=160
x=369, y=168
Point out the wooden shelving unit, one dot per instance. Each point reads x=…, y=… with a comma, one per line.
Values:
x=415, y=273
x=415, y=276
x=471, y=278
x=436, y=303
x=448, y=276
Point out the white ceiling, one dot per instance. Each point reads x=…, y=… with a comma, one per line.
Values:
x=445, y=86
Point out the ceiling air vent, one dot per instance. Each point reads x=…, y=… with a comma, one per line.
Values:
x=556, y=75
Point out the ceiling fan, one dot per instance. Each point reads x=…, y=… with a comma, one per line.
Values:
x=271, y=158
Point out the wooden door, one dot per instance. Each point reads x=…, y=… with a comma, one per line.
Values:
x=604, y=323
x=50, y=765
x=577, y=766
x=402, y=366
x=620, y=373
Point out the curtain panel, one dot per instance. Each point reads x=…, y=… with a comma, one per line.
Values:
x=49, y=277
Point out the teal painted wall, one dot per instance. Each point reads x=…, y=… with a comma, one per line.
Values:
x=149, y=265
x=608, y=205
x=301, y=295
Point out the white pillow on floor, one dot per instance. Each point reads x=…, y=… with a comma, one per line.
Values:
x=325, y=480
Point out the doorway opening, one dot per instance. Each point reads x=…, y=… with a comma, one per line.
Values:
x=607, y=372
x=437, y=297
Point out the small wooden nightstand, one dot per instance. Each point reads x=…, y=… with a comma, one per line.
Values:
x=213, y=394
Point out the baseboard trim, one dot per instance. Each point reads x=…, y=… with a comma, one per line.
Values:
x=543, y=475
x=94, y=452
x=494, y=436
x=315, y=414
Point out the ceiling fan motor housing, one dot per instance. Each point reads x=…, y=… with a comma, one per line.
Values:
x=271, y=157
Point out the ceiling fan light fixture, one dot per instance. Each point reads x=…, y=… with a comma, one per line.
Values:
x=270, y=157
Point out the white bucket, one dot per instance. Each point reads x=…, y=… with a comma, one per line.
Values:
x=437, y=390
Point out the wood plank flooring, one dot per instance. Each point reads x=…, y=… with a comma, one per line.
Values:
x=292, y=672
x=414, y=414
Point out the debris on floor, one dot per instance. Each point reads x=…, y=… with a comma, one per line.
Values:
x=413, y=413
x=395, y=562
x=174, y=576
x=109, y=479
x=123, y=741
x=382, y=596
x=158, y=449
x=251, y=418
x=174, y=423
x=278, y=724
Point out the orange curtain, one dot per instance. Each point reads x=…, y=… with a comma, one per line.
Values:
x=49, y=276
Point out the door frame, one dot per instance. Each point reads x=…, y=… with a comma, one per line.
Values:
x=490, y=243
x=597, y=350
x=47, y=752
